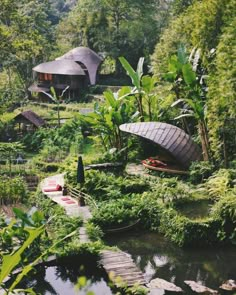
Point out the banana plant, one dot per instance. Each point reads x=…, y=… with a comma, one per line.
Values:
x=136, y=77
x=107, y=118
x=57, y=100
x=190, y=92
x=143, y=87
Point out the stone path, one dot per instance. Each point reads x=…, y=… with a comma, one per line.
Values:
x=70, y=204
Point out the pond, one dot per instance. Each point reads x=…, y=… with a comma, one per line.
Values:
x=195, y=209
x=61, y=279
x=156, y=257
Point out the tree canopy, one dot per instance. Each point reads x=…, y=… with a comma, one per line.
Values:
x=118, y=28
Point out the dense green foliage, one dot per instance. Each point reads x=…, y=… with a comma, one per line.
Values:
x=25, y=32
x=193, y=86
x=159, y=205
x=211, y=31
x=12, y=190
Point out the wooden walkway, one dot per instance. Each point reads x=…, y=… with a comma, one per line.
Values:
x=117, y=263
x=69, y=203
x=122, y=268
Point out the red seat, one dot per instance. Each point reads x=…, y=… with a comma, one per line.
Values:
x=52, y=188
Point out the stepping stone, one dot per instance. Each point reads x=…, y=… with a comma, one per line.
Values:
x=164, y=285
x=229, y=285
x=199, y=288
x=65, y=199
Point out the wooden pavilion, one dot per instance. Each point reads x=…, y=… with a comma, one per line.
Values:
x=180, y=149
x=29, y=121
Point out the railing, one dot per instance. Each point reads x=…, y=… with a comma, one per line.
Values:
x=75, y=193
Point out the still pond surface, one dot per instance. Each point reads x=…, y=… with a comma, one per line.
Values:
x=156, y=257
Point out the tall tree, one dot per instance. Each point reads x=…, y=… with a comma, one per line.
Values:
x=119, y=28
x=25, y=39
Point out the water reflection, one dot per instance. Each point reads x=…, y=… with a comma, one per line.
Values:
x=62, y=279
x=157, y=257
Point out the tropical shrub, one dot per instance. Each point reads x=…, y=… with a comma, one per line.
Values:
x=94, y=232
x=225, y=212
x=220, y=183
x=20, y=246
x=199, y=171
x=115, y=213
x=184, y=231
x=107, y=117
x=104, y=186
x=149, y=211
x=12, y=190
x=46, y=167
x=170, y=190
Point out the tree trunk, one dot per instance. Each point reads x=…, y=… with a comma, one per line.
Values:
x=140, y=107
x=204, y=141
x=58, y=115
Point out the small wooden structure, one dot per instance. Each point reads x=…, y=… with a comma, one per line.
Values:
x=170, y=138
x=29, y=121
x=122, y=268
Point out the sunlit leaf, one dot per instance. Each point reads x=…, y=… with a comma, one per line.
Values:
x=188, y=74
x=10, y=261
x=130, y=71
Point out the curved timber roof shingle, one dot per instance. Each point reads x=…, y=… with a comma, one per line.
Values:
x=86, y=56
x=60, y=67
x=171, y=138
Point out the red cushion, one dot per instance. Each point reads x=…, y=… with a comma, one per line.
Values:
x=52, y=188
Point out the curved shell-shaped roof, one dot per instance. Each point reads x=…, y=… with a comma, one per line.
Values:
x=171, y=138
x=60, y=67
x=86, y=56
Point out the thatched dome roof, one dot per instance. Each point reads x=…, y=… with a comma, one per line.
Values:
x=79, y=53
x=169, y=137
x=60, y=67
x=87, y=57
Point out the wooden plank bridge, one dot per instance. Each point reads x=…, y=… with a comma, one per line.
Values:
x=122, y=267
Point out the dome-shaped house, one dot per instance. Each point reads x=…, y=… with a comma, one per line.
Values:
x=87, y=58
x=59, y=74
x=76, y=69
